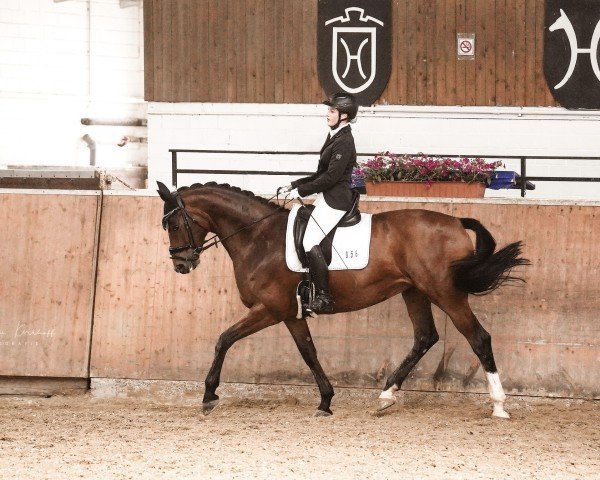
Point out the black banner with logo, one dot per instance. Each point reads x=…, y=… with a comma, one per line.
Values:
x=354, y=43
x=571, y=52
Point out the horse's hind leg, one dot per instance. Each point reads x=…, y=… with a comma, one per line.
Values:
x=301, y=334
x=481, y=342
x=419, y=311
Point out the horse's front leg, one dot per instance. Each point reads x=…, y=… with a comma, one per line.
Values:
x=301, y=334
x=255, y=320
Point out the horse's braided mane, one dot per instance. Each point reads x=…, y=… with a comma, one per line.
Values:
x=226, y=186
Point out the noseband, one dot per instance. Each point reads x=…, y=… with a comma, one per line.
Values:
x=187, y=221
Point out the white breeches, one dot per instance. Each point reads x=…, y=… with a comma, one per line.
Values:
x=322, y=221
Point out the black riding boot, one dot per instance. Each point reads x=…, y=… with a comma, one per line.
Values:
x=319, y=274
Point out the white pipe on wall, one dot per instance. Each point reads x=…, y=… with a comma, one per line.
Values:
x=92, y=146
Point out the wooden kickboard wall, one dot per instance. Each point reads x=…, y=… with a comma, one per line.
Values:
x=152, y=323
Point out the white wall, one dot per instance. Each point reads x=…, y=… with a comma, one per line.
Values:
x=60, y=62
x=443, y=130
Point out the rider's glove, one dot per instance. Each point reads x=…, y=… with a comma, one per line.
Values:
x=293, y=194
x=286, y=189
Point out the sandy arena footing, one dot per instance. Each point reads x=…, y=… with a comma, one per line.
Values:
x=266, y=432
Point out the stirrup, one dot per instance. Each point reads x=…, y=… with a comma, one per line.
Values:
x=304, y=292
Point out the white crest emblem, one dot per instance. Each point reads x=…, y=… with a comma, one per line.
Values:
x=368, y=39
x=563, y=23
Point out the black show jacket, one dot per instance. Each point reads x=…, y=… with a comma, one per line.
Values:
x=334, y=173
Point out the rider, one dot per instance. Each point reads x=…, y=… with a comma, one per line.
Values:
x=332, y=184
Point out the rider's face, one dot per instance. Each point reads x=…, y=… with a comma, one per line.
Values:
x=332, y=116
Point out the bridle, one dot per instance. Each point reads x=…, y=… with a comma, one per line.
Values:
x=204, y=224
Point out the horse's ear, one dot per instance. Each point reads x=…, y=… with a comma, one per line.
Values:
x=164, y=192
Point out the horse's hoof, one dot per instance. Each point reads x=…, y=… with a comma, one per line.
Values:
x=500, y=413
x=385, y=403
x=322, y=413
x=209, y=407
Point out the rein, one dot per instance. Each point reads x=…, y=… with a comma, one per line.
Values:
x=212, y=241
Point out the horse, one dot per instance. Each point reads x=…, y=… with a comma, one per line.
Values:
x=426, y=256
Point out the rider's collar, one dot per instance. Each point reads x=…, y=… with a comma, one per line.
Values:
x=333, y=132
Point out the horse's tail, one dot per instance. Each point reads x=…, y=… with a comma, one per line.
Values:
x=483, y=271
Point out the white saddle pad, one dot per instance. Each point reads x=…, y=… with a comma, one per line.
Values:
x=350, y=249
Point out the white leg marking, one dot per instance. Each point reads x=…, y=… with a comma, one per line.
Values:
x=497, y=395
x=389, y=393
x=387, y=398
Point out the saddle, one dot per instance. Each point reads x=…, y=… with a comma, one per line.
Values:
x=351, y=217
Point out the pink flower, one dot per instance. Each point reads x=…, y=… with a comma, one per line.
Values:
x=389, y=166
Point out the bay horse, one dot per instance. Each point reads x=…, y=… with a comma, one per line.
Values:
x=426, y=256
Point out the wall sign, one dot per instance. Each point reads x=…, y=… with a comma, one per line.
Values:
x=571, y=47
x=354, y=46
x=465, y=46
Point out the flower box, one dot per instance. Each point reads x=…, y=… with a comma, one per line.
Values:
x=391, y=174
x=422, y=189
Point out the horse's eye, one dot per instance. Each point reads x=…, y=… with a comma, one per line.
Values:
x=175, y=228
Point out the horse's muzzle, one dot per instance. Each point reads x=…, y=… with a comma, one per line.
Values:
x=182, y=268
x=185, y=267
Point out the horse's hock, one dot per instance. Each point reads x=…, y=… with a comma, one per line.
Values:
x=89, y=291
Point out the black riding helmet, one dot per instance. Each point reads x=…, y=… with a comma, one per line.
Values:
x=344, y=103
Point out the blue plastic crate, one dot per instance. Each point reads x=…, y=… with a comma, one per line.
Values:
x=357, y=182
x=507, y=180
x=503, y=179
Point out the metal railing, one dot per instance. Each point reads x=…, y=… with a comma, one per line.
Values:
x=521, y=181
